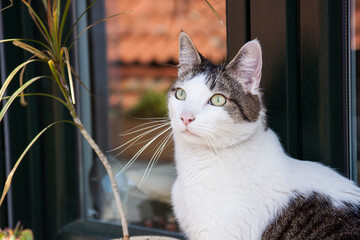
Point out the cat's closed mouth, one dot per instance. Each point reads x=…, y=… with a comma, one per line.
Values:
x=188, y=132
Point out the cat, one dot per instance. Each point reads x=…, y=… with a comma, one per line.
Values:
x=234, y=180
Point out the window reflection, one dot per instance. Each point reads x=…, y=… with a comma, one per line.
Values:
x=142, y=52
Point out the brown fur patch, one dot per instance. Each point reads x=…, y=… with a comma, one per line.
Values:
x=243, y=106
x=314, y=217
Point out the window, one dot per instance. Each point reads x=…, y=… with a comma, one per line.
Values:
x=354, y=92
x=307, y=80
x=142, y=52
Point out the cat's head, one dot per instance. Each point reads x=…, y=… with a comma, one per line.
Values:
x=217, y=104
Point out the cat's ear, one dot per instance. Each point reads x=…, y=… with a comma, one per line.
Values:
x=188, y=55
x=246, y=66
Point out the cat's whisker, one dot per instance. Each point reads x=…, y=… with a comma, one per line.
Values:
x=154, y=118
x=156, y=157
x=139, y=127
x=143, y=129
x=132, y=141
x=138, y=153
x=219, y=145
x=224, y=147
x=225, y=136
x=213, y=147
x=135, y=143
x=151, y=140
x=144, y=134
x=158, y=149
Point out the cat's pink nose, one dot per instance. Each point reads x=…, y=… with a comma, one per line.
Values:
x=187, y=118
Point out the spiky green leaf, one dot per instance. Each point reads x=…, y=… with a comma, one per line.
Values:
x=94, y=24
x=31, y=49
x=71, y=83
x=13, y=170
x=8, y=6
x=16, y=93
x=12, y=75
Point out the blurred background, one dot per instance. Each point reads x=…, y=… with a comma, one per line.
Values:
x=142, y=54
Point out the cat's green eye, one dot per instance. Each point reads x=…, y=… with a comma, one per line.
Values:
x=180, y=94
x=217, y=100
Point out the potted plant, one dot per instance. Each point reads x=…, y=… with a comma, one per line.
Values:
x=53, y=52
x=18, y=233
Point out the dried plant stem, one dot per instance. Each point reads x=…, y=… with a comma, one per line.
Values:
x=109, y=171
x=59, y=76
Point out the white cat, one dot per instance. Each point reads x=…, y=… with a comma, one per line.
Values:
x=234, y=179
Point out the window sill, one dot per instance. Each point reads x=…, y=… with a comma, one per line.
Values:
x=86, y=230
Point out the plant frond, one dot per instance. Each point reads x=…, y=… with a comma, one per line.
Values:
x=16, y=93
x=94, y=24
x=213, y=9
x=24, y=40
x=31, y=49
x=71, y=83
x=8, y=6
x=40, y=25
x=63, y=18
x=44, y=3
x=56, y=6
x=39, y=94
x=53, y=70
x=21, y=81
x=53, y=23
x=81, y=82
x=12, y=172
x=78, y=19
x=61, y=84
x=51, y=55
x=11, y=76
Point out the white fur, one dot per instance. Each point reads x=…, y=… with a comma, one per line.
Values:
x=234, y=177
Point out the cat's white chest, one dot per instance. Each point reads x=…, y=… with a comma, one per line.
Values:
x=222, y=200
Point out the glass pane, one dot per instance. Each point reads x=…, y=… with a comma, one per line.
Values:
x=142, y=52
x=354, y=88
